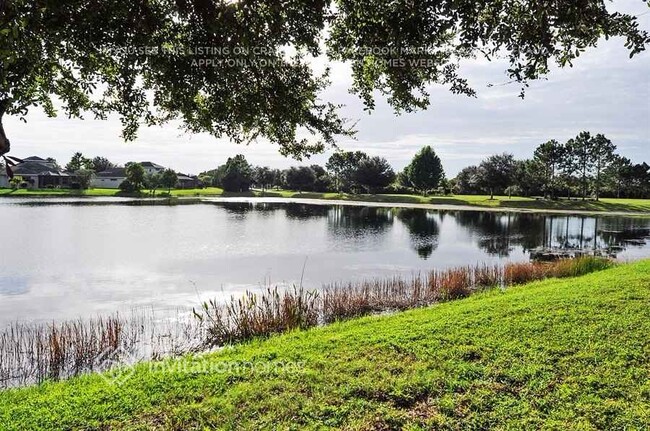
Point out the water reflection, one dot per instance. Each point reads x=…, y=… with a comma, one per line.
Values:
x=304, y=212
x=13, y=285
x=423, y=229
x=499, y=233
x=359, y=220
x=60, y=261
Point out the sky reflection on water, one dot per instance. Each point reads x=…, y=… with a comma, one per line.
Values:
x=66, y=261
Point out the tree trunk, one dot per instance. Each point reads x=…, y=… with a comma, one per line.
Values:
x=598, y=168
x=4, y=142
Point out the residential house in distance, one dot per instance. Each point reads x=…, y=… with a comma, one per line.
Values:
x=187, y=182
x=39, y=173
x=112, y=178
x=109, y=179
x=4, y=179
x=152, y=168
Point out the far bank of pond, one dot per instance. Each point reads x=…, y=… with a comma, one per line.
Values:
x=604, y=205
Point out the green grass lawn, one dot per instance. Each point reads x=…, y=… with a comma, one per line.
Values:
x=558, y=354
x=606, y=204
x=57, y=192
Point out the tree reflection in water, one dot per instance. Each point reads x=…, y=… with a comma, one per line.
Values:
x=353, y=221
x=424, y=230
x=496, y=233
x=499, y=233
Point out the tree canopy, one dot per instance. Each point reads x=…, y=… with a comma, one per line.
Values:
x=497, y=172
x=135, y=175
x=299, y=178
x=586, y=165
x=374, y=173
x=242, y=69
x=548, y=157
x=78, y=161
x=237, y=174
x=101, y=164
x=168, y=179
x=425, y=171
x=342, y=165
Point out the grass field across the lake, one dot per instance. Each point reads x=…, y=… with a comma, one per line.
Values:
x=605, y=204
x=557, y=354
x=481, y=201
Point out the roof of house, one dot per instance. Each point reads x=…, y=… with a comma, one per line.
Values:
x=33, y=167
x=33, y=159
x=112, y=173
x=151, y=165
x=54, y=174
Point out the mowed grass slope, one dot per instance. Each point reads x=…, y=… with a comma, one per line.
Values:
x=558, y=354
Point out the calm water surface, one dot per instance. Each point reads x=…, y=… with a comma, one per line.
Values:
x=64, y=259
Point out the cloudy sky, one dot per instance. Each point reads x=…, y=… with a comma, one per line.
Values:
x=605, y=92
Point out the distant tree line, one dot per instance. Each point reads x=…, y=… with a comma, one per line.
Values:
x=586, y=166
x=345, y=171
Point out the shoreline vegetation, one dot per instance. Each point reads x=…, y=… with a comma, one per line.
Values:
x=504, y=203
x=36, y=353
x=539, y=354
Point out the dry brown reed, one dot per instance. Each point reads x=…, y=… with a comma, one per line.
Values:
x=272, y=312
x=256, y=315
x=34, y=353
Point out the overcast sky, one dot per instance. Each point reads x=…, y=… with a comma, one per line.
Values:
x=605, y=92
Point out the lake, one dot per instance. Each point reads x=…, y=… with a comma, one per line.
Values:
x=67, y=258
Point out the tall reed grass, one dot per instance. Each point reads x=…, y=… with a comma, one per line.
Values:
x=259, y=315
x=34, y=353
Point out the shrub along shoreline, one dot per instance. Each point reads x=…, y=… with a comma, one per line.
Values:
x=538, y=356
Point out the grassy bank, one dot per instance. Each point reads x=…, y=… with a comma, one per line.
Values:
x=557, y=354
x=209, y=191
x=605, y=204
